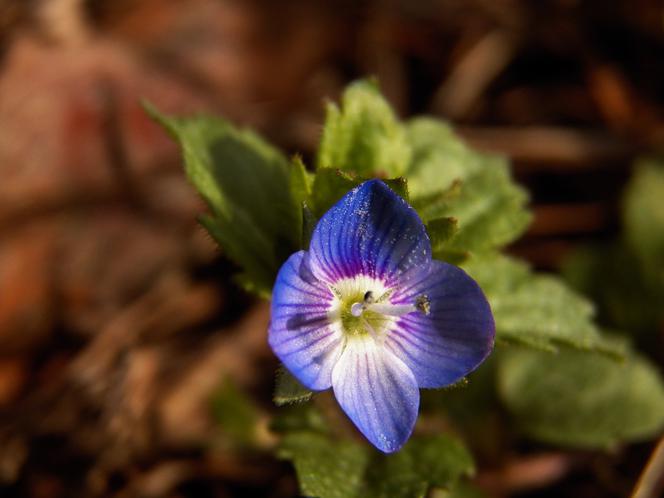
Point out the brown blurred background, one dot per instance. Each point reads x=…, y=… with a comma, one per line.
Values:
x=118, y=319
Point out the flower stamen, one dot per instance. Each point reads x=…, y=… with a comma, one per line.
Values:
x=421, y=304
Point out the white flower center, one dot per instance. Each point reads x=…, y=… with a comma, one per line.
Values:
x=362, y=305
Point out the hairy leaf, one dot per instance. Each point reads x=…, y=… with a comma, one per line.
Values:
x=363, y=136
x=626, y=278
x=328, y=468
x=436, y=461
x=253, y=192
x=325, y=468
x=447, y=179
x=579, y=399
x=625, y=296
x=441, y=230
x=329, y=186
x=536, y=310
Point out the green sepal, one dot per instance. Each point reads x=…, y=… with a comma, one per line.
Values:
x=441, y=232
x=329, y=186
x=288, y=389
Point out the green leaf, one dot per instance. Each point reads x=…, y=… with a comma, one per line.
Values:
x=300, y=179
x=309, y=221
x=580, y=399
x=466, y=401
x=399, y=185
x=609, y=273
x=424, y=462
x=299, y=418
x=364, y=136
x=626, y=278
x=439, y=158
x=253, y=192
x=644, y=218
x=325, y=468
x=490, y=210
x=288, y=389
x=447, y=179
x=301, y=184
x=329, y=186
x=536, y=310
x=441, y=232
x=328, y=468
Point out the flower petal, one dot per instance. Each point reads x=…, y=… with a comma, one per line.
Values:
x=377, y=391
x=300, y=333
x=457, y=335
x=371, y=231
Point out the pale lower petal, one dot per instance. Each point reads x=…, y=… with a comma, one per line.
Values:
x=377, y=391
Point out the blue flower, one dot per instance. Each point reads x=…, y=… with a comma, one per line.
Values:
x=367, y=312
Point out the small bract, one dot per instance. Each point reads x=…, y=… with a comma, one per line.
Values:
x=367, y=312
